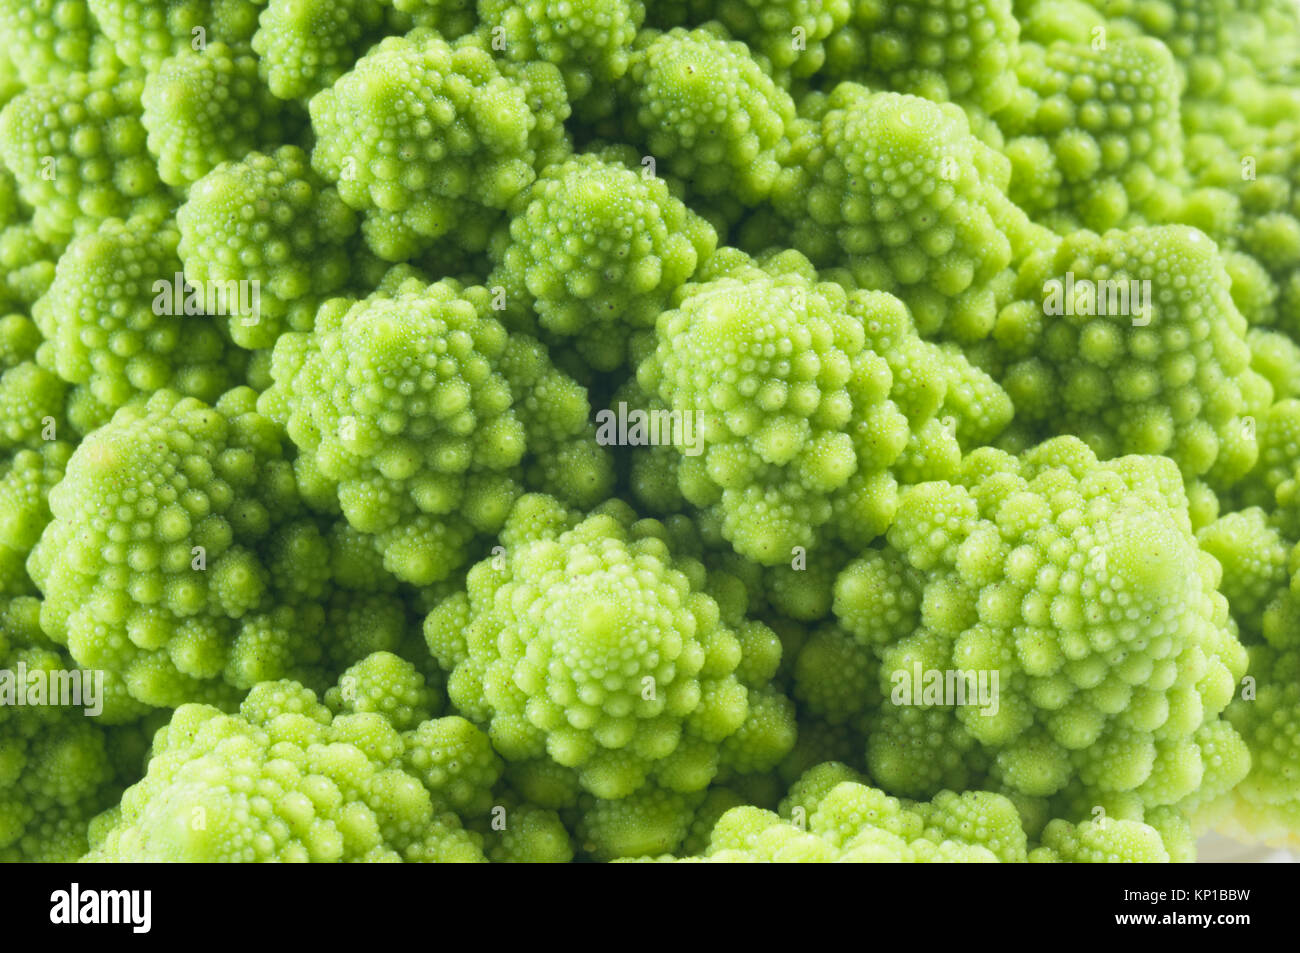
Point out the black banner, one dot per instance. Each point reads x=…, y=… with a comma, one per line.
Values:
x=146, y=903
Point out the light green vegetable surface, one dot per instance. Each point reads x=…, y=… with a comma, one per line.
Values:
x=698, y=430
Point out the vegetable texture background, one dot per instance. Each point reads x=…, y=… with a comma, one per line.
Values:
x=588, y=430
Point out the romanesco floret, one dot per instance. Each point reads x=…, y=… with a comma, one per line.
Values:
x=597, y=251
x=1130, y=340
x=791, y=36
x=271, y=222
x=1254, y=557
x=801, y=588
x=1274, y=483
x=33, y=401
x=26, y=259
x=901, y=185
x=1079, y=586
x=832, y=816
x=304, y=46
x=1093, y=133
x=50, y=40
x=419, y=127
x=1243, y=154
x=835, y=677
x=59, y=764
x=704, y=108
x=78, y=151
x=146, y=32
x=517, y=832
x=290, y=779
x=118, y=330
x=935, y=385
x=26, y=479
x=414, y=411
x=1100, y=842
x=1264, y=807
x=1261, y=580
x=961, y=51
x=793, y=428
x=1213, y=38
x=590, y=41
x=180, y=557
x=33, y=454
x=1276, y=358
x=653, y=820
x=590, y=644
x=451, y=18
x=1239, y=97
x=202, y=109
